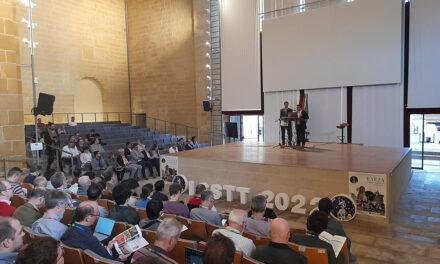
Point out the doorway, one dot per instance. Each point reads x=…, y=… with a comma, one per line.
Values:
x=424, y=136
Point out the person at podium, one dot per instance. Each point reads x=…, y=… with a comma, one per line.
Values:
x=300, y=126
x=286, y=124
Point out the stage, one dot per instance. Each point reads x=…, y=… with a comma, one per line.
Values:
x=295, y=180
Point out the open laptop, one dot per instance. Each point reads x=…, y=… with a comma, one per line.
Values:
x=193, y=256
x=104, y=228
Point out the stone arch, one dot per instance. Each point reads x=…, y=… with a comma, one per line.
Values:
x=88, y=96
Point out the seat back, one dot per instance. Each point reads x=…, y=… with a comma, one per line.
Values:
x=258, y=240
x=72, y=255
x=110, y=204
x=210, y=228
x=103, y=203
x=91, y=257
x=149, y=235
x=17, y=200
x=82, y=198
x=247, y=260
x=141, y=213
x=178, y=252
x=67, y=217
x=119, y=228
x=237, y=257
x=196, y=229
x=313, y=255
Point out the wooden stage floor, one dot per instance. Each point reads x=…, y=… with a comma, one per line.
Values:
x=343, y=157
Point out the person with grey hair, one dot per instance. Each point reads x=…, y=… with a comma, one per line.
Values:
x=40, y=182
x=29, y=212
x=11, y=239
x=84, y=183
x=58, y=180
x=56, y=203
x=257, y=223
x=168, y=233
x=204, y=212
x=234, y=230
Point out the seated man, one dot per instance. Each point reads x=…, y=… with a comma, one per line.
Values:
x=257, y=223
x=72, y=122
x=334, y=227
x=158, y=191
x=234, y=230
x=153, y=209
x=98, y=163
x=70, y=152
x=94, y=192
x=122, y=212
x=6, y=209
x=173, y=205
x=80, y=234
x=84, y=183
x=11, y=239
x=168, y=233
x=219, y=249
x=29, y=212
x=133, y=169
x=13, y=177
x=56, y=203
x=41, y=250
x=196, y=201
x=316, y=223
x=59, y=182
x=278, y=251
x=204, y=212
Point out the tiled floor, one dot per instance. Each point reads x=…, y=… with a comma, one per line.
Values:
x=414, y=235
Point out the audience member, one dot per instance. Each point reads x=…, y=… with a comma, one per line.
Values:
x=147, y=189
x=98, y=163
x=80, y=234
x=334, y=227
x=94, y=192
x=92, y=135
x=29, y=212
x=173, y=149
x=34, y=172
x=11, y=239
x=72, y=122
x=180, y=144
x=6, y=209
x=138, y=157
x=219, y=250
x=234, y=230
x=153, y=156
x=121, y=212
x=196, y=201
x=132, y=185
x=173, y=205
x=204, y=212
x=85, y=158
x=134, y=170
x=278, y=251
x=81, y=145
x=40, y=182
x=13, y=177
x=56, y=203
x=69, y=153
x=83, y=185
x=316, y=223
x=42, y=250
x=96, y=146
x=257, y=224
x=168, y=233
x=153, y=209
x=158, y=191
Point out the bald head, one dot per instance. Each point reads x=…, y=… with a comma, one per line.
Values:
x=86, y=213
x=279, y=231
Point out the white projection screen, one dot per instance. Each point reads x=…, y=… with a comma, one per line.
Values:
x=240, y=55
x=343, y=44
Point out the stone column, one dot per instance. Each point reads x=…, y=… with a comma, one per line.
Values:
x=12, y=145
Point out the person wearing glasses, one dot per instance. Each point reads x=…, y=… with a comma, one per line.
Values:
x=50, y=225
x=6, y=192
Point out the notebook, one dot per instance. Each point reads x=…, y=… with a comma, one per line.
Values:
x=193, y=256
x=104, y=228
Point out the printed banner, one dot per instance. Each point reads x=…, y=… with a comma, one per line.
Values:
x=369, y=191
x=169, y=167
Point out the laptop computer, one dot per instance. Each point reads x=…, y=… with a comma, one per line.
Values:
x=104, y=228
x=193, y=256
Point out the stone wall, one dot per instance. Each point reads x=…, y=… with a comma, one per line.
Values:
x=11, y=103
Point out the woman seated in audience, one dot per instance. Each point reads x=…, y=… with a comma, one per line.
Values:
x=96, y=146
x=42, y=250
x=122, y=212
x=153, y=209
x=147, y=190
x=195, y=201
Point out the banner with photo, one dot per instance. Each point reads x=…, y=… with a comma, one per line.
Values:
x=169, y=167
x=369, y=192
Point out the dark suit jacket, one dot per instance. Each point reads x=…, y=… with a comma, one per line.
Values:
x=314, y=241
x=278, y=254
x=285, y=113
x=303, y=121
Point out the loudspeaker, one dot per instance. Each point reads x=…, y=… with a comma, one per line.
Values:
x=45, y=104
x=231, y=129
x=207, y=106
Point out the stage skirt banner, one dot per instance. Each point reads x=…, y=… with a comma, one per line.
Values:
x=369, y=192
x=169, y=167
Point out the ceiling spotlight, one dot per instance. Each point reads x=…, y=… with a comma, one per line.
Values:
x=208, y=66
x=207, y=54
x=207, y=43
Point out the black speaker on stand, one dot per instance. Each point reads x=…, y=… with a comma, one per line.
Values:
x=45, y=104
x=207, y=106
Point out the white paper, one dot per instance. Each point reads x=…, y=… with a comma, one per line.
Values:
x=337, y=242
x=36, y=146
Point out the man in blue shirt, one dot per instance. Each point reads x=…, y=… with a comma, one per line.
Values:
x=80, y=234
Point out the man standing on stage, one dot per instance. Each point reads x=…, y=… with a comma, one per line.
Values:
x=286, y=125
x=300, y=126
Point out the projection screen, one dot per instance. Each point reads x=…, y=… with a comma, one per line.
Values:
x=343, y=44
